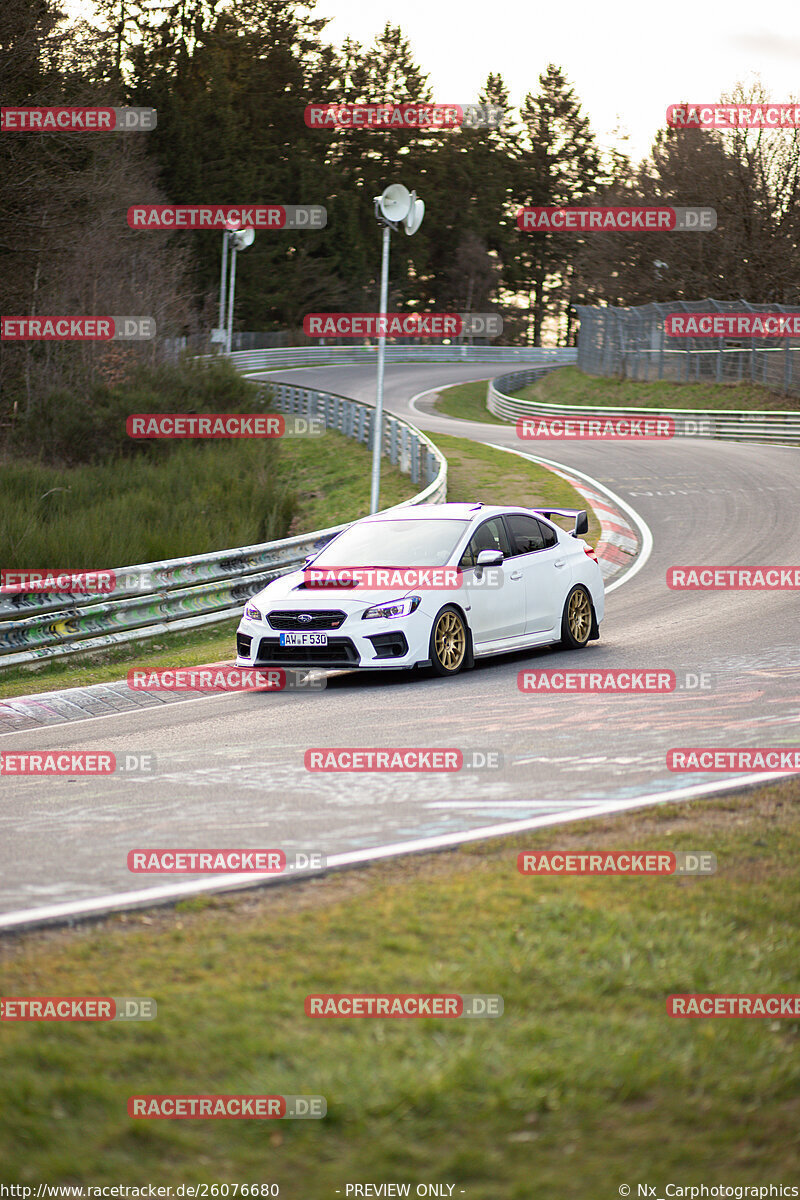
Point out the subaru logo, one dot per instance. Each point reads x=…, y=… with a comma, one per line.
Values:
x=304, y=617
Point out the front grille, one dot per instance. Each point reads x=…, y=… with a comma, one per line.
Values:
x=324, y=618
x=339, y=651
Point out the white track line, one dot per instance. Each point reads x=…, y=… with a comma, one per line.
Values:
x=638, y=520
x=100, y=905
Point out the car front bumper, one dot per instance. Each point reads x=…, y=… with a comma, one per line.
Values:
x=374, y=644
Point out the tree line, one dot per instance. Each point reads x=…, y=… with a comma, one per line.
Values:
x=231, y=82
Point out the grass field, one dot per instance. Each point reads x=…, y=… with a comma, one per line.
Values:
x=198, y=499
x=330, y=488
x=583, y=1085
x=467, y=401
x=568, y=385
x=491, y=476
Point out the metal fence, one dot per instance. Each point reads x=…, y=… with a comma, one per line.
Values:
x=630, y=343
x=403, y=444
x=183, y=593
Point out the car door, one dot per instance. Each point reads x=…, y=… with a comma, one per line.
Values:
x=494, y=598
x=544, y=563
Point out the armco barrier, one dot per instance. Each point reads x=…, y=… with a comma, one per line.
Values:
x=317, y=356
x=737, y=425
x=183, y=593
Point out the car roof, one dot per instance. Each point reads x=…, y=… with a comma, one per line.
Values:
x=445, y=512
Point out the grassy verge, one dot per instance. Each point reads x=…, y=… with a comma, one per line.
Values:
x=584, y=1082
x=467, y=401
x=568, y=385
x=188, y=649
x=477, y=472
x=330, y=476
x=331, y=488
x=198, y=499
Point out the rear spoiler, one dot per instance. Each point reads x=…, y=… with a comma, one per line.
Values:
x=581, y=519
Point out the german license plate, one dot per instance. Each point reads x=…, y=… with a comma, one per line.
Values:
x=304, y=639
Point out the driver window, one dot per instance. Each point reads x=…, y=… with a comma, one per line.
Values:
x=491, y=535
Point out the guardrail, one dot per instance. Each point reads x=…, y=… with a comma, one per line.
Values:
x=314, y=356
x=183, y=593
x=738, y=425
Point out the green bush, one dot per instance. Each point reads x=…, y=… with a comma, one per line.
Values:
x=202, y=497
x=69, y=429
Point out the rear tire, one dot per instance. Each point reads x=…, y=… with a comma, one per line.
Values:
x=578, y=619
x=449, y=648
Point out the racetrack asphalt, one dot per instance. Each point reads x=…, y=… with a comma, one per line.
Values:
x=230, y=768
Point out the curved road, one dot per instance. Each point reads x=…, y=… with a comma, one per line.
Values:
x=230, y=768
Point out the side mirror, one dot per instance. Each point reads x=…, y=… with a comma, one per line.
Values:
x=489, y=558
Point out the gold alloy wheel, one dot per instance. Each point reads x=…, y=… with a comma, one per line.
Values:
x=450, y=640
x=579, y=615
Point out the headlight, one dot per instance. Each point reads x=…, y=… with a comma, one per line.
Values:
x=251, y=612
x=393, y=608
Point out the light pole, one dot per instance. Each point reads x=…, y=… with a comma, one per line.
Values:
x=240, y=240
x=395, y=206
x=219, y=335
x=223, y=276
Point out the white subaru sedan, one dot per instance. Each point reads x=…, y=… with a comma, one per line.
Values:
x=433, y=585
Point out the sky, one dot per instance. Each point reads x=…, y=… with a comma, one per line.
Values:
x=627, y=60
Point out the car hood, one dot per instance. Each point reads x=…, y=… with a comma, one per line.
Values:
x=288, y=592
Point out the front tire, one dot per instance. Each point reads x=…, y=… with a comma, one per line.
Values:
x=577, y=620
x=449, y=642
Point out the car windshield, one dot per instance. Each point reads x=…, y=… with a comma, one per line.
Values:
x=400, y=543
